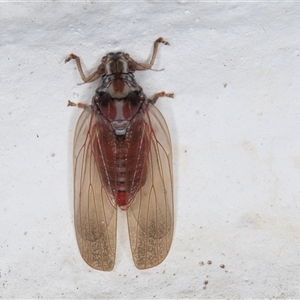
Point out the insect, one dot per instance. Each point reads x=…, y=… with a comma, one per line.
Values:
x=122, y=158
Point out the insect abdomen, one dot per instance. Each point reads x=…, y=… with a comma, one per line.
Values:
x=131, y=163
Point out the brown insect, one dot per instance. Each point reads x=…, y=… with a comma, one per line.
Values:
x=122, y=158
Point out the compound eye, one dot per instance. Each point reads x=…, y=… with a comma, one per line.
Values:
x=131, y=66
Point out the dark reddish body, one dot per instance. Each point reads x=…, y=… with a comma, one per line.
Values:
x=119, y=105
x=122, y=158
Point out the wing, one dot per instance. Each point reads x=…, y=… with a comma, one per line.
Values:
x=95, y=214
x=151, y=214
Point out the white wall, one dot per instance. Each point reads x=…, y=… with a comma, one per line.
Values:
x=235, y=124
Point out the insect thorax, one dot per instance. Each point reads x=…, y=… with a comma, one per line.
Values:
x=119, y=98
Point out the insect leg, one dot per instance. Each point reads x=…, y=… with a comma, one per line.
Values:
x=161, y=94
x=143, y=66
x=80, y=105
x=86, y=79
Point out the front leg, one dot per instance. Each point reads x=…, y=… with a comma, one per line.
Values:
x=143, y=66
x=89, y=78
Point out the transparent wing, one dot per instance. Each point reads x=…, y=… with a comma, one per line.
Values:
x=95, y=214
x=151, y=213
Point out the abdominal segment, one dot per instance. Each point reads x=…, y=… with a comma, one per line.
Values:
x=122, y=159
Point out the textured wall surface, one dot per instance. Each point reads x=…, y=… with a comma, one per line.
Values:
x=235, y=124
